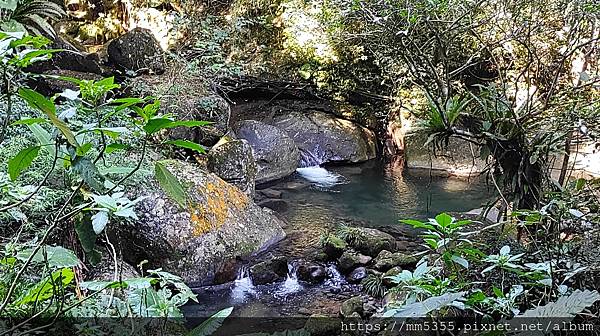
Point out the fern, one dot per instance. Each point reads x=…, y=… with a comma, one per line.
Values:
x=33, y=16
x=373, y=285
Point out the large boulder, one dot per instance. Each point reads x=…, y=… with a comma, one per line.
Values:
x=387, y=260
x=324, y=138
x=232, y=161
x=276, y=154
x=218, y=225
x=459, y=158
x=138, y=50
x=351, y=259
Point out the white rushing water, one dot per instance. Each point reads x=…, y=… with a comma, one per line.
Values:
x=291, y=284
x=243, y=288
x=321, y=176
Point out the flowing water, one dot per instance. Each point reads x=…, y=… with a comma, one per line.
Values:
x=319, y=199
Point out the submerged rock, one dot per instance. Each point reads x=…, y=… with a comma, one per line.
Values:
x=386, y=260
x=273, y=270
x=218, y=224
x=311, y=272
x=276, y=154
x=233, y=162
x=137, y=50
x=324, y=138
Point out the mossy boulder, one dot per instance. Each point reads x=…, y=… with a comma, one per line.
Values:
x=137, y=51
x=387, y=260
x=372, y=241
x=351, y=259
x=334, y=246
x=198, y=241
x=276, y=154
x=324, y=138
x=352, y=306
x=232, y=161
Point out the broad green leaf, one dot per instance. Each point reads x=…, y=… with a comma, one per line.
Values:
x=188, y=144
x=44, y=105
x=417, y=224
x=443, y=219
x=99, y=221
x=87, y=237
x=22, y=161
x=10, y=5
x=157, y=124
x=170, y=184
x=48, y=287
x=190, y=123
x=96, y=285
x=114, y=147
x=461, y=261
x=210, y=325
x=57, y=256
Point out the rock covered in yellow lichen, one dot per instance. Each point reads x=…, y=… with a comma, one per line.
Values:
x=198, y=242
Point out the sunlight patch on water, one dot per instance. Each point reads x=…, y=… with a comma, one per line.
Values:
x=321, y=177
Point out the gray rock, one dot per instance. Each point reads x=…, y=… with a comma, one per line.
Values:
x=137, y=50
x=275, y=152
x=105, y=269
x=218, y=224
x=386, y=260
x=311, y=272
x=357, y=275
x=352, y=306
x=350, y=260
x=211, y=108
x=460, y=158
x=269, y=271
x=233, y=162
x=324, y=138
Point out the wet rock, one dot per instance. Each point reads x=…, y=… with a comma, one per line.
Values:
x=351, y=259
x=312, y=273
x=352, y=306
x=226, y=272
x=276, y=154
x=386, y=260
x=357, y=275
x=271, y=193
x=390, y=273
x=322, y=325
x=334, y=246
x=233, y=162
x=372, y=241
x=278, y=205
x=138, y=50
x=369, y=309
x=269, y=271
x=218, y=223
x=323, y=138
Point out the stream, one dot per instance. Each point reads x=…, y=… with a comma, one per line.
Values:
x=318, y=199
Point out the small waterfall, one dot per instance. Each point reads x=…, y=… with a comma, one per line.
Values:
x=310, y=159
x=243, y=288
x=320, y=176
x=335, y=278
x=291, y=284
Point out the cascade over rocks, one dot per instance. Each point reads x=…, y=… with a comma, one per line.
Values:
x=323, y=138
x=232, y=161
x=276, y=154
x=199, y=241
x=137, y=50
